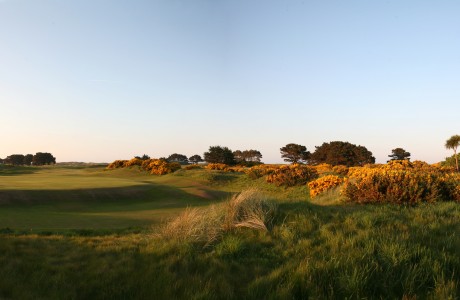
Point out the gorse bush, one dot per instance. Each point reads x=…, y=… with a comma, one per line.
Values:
x=161, y=167
x=260, y=171
x=292, y=175
x=341, y=170
x=401, y=182
x=193, y=167
x=133, y=162
x=225, y=168
x=323, y=184
x=323, y=168
x=117, y=164
x=217, y=166
x=285, y=175
x=154, y=166
x=238, y=168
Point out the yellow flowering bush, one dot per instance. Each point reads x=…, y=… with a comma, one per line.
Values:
x=292, y=175
x=323, y=184
x=217, y=166
x=117, y=164
x=323, y=168
x=452, y=185
x=401, y=182
x=154, y=166
x=340, y=169
x=161, y=167
x=239, y=169
x=260, y=171
x=133, y=162
x=145, y=164
x=192, y=167
x=456, y=193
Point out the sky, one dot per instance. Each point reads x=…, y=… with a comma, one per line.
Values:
x=99, y=80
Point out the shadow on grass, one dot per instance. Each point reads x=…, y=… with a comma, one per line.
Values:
x=6, y=170
x=220, y=178
x=148, y=192
x=80, y=165
x=101, y=208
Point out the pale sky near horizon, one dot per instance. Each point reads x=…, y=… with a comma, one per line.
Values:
x=102, y=80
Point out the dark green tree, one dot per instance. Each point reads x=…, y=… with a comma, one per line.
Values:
x=195, y=159
x=452, y=143
x=43, y=158
x=15, y=159
x=363, y=156
x=238, y=155
x=247, y=155
x=179, y=158
x=28, y=159
x=342, y=153
x=218, y=154
x=252, y=155
x=399, y=154
x=295, y=153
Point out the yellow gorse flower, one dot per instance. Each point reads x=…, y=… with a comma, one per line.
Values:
x=323, y=184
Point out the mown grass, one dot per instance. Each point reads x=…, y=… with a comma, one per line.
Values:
x=63, y=198
x=311, y=250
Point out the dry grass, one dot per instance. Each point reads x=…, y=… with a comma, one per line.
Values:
x=249, y=209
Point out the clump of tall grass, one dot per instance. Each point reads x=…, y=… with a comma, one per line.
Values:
x=248, y=209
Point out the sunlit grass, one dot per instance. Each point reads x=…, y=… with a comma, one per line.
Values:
x=111, y=244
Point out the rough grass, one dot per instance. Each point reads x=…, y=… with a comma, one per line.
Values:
x=321, y=250
x=248, y=209
x=311, y=251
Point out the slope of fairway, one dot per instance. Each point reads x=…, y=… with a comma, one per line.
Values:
x=60, y=198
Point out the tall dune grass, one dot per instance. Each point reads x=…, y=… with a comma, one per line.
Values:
x=248, y=209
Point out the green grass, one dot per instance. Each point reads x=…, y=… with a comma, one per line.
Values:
x=321, y=249
x=63, y=198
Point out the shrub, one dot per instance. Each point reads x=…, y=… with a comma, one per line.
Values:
x=160, y=167
x=239, y=169
x=116, y=164
x=145, y=164
x=323, y=184
x=217, y=166
x=260, y=171
x=193, y=167
x=401, y=182
x=174, y=166
x=323, y=168
x=133, y=162
x=340, y=169
x=292, y=175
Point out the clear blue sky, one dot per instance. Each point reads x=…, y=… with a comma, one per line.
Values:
x=102, y=80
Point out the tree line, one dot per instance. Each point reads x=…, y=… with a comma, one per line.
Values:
x=39, y=159
x=333, y=153
x=216, y=154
